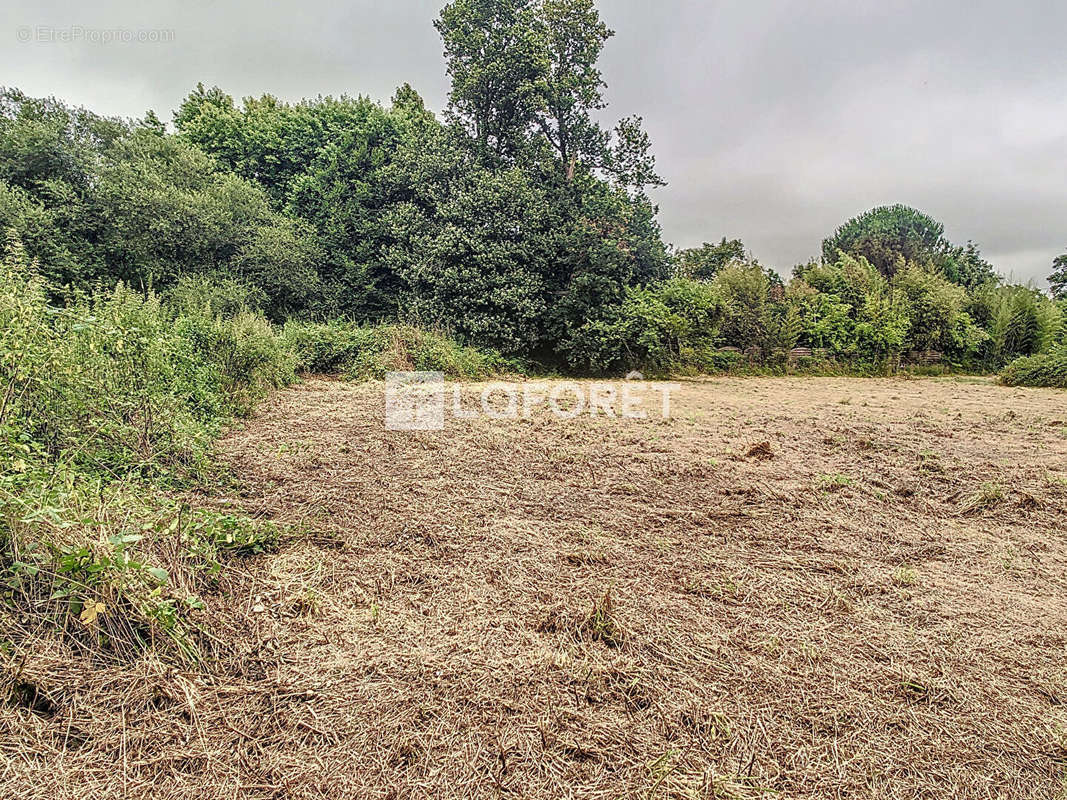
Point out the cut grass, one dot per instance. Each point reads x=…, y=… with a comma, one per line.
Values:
x=448, y=629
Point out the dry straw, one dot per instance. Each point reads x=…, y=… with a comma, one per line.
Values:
x=606, y=608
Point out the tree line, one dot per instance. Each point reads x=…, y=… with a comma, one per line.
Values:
x=515, y=221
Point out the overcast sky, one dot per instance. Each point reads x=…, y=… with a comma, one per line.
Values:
x=772, y=121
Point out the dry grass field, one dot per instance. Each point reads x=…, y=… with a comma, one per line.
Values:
x=873, y=604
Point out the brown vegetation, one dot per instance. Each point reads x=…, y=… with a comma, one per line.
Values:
x=813, y=587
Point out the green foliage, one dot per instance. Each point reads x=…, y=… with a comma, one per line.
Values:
x=43, y=141
x=745, y=294
x=889, y=237
x=892, y=237
x=415, y=221
x=936, y=308
x=346, y=191
x=525, y=84
x=171, y=210
x=281, y=260
x=461, y=260
x=849, y=308
x=965, y=266
x=325, y=347
x=1045, y=369
x=852, y=279
x=672, y=326
x=403, y=347
x=518, y=223
x=112, y=567
x=100, y=366
x=495, y=61
x=116, y=383
x=508, y=227
x=97, y=199
x=1020, y=321
x=50, y=155
x=55, y=235
x=97, y=396
x=661, y=328
x=244, y=358
x=706, y=261
x=217, y=295
x=611, y=243
x=365, y=353
x=1058, y=279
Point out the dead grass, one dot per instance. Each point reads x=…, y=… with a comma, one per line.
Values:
x=608, y=608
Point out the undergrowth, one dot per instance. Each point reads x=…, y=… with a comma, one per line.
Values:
x=368, y=353
x=105, y=402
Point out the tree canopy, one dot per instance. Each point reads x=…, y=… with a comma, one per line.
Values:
x=1058, y=279
x=707, y=260
x=515, y=220
x=891, y=237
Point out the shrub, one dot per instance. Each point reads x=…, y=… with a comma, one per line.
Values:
x=212, y=296
x=403, y=347
x=665, y=327
x=1045, y=369
x=369, y=352
x=243, y=357
x=325, y=347
x=116, y=383
x=745, y=297
x=1020, y=320
x=936, y=310
x=849, y=308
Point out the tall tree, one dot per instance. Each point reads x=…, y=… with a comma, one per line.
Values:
x=495, y=60
x=965, y=266
x=525, y=83
x=573, y=36
x=706, y=261
x=888, y=237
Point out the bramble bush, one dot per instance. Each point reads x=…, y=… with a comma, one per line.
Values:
x=112, y=567
x=118, y=383
x=325, y=347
